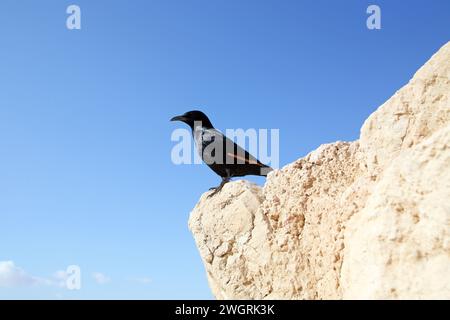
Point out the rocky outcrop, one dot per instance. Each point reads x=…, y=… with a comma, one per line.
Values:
x=366, y=219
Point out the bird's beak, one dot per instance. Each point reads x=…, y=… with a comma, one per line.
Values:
x=178, y=118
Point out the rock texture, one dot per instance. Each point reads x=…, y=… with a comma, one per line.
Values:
x=367, y=219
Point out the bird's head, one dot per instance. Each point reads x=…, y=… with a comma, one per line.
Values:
x=193, y=119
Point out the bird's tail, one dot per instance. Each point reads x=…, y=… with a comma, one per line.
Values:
x=264, y=170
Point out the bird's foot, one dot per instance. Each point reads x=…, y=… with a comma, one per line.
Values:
x=217, y=189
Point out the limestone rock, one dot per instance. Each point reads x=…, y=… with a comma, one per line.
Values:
x=398, y=245
x=366, y=219
x=414, y=113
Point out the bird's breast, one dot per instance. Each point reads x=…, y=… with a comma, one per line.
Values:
x=204, y=138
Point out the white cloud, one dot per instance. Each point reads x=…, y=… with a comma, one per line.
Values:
x=143, y=280
x=100, y=278
x=13, y=276
x=59, y=279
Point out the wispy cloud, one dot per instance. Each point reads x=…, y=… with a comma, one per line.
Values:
x=13, y=276
x=59, y=278
x=142, y=280
x=100, y=278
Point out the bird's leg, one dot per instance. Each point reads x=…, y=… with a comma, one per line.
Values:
x=217, y=189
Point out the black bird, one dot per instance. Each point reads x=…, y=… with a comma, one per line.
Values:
x=221, y=154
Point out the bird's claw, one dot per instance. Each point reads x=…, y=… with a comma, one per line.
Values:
x=216, y=190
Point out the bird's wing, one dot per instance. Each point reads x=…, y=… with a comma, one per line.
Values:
x=217, y=148
x=235, y=154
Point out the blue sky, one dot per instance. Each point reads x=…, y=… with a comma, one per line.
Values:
x=85, y=171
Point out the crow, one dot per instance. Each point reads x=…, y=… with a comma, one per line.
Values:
x=221, y=154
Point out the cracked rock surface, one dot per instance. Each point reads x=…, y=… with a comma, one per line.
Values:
x=368, y=219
